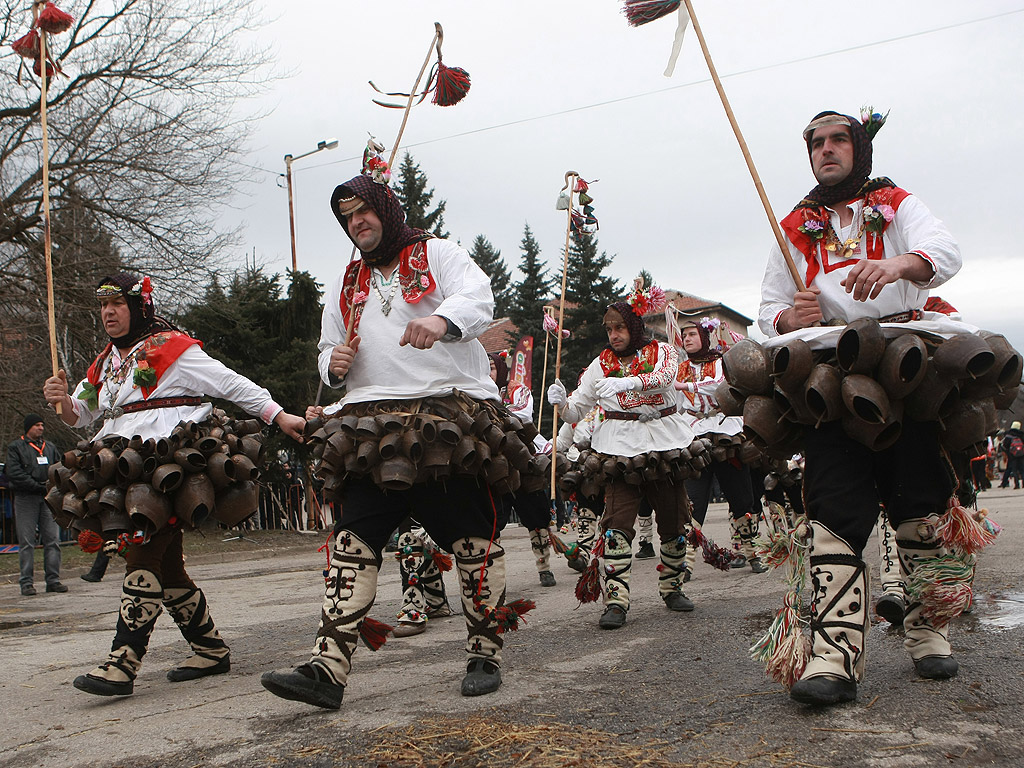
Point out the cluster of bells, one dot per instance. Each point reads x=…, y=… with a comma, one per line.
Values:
x=199, y=471
x=871, y=385
x=593, y=469
x=400, y=449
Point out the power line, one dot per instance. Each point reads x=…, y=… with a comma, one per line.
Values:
x=670, y=88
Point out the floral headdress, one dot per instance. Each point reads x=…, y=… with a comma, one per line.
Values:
x=646, y=301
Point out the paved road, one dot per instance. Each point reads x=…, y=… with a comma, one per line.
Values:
x=677, y=689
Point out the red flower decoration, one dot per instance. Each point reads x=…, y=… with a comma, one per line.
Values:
x=50, y=70
x=27, y=46
x=53, y=20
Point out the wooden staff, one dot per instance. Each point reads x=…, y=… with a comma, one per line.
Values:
x=779, y=238
x=544, y=375
x=570, y=182
x=47, y=249
x=438, y=37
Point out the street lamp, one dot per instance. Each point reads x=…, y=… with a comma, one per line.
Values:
x=288, y=160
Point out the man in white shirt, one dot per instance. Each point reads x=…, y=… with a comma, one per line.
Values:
x=867, y=249
x=400, y=332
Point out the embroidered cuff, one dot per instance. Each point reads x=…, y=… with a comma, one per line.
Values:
x=775, y=323
x=935, y=270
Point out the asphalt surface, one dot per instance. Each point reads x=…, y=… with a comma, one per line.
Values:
x=679, y=686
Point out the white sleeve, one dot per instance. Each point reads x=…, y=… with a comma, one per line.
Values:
x=777, y=291
x=585, y=397
x=708, y=385
x=204, y=375
x=332, y=332
x=468, y=301
x=923, y=234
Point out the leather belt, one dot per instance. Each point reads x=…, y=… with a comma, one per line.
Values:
x=903, y=317
x=623, y=416
x=146, y=405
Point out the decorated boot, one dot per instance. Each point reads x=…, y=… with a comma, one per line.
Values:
x=412, y=617
x=670, y=575
x=140, y=607
x=839, y=619
x=211, y=656
x=540, y=543
x=618, y=558
x=924, y=636
x=744, y=532
x=689, y=561
x=586, y=527
x=892, y=604
x=481, y=566
x=645, y=532
x=348, y=598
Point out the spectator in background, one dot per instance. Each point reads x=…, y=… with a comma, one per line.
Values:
x=29, y=459
x=1012, y=445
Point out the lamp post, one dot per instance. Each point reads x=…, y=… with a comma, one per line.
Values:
x=288, y=160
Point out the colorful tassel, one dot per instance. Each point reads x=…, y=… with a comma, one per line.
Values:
x=714, y=555
x=441, y=560
x=961, y=531
x=943, y=586
x=557, y=544
x=508, y=616
x=90, y=541
x=639, y=12
x=27, y=46
x=588, y=586
x=785, y=648
x=451, y=85
x=53, y=20
x=374, y=633
x=51, y=70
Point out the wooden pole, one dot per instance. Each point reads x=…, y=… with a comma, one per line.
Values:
x=544, y=375
x=438, y=37
x=570, y=181
x=47, y=243
x=779, y=238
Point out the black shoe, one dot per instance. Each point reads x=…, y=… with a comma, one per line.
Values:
x=547, y=578
x=91, y=577
x=301, y=685
x=936, y=667
x=578, y=563
x=181, y=674
x=891, y=608
x=738, y=561
x=823, y=691
x=677, y=601
x=101, y=687
x=28, y=590
x=646, y=551
x=482, y=676
x=612, y=618
x=756, y=566
x=56, y=587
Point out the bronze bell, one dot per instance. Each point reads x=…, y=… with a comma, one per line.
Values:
x=860, y=346
x=746, y=367
x=793, y=406
x=934, y=398
x=129, y=464
x=252, y=446
x=791, y=365
x=392, y=422
x=964, y=356
x=236, y=503
x=464, y=422
x=763, y=421
x=190, y=459
x=248, y=427
x=367, y=455
x=207, y=445
x=1006, y=398
x=465, y=455
x=71, y=459
x=902, y=366
x=73, y=505
x=79, y=483
x=148, y=509
x=112, y=498
x=368, y=427
x=449, y=432
x=92, y=502
x=730, y=399
x=113, y=520
x=1005, y=372
x=389, y=446
x=412, y=446
x=397, y=474
x=349, y=422
x=964, y=426
x=427, y=428
x=221, y=470
x=79, y=525
x=823, y=394
x=876, y=435
x=244, y=467
x=483, y=454
x=193, y=501
x=334, y=424
x=865, y=399
x=167, y=477
x=498, y=469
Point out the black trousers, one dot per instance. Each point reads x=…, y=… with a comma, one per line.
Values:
x=448, y=511
x=844, y=481
x=735, y=484
x=533, y=509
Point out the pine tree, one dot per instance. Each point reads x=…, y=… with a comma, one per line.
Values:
x=528, y=299
x=415, y=198
x=490, y=261
x=591, y=291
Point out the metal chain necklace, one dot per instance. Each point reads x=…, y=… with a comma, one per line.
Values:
x=392, y=286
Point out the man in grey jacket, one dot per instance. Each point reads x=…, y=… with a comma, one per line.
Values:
x=29, y=458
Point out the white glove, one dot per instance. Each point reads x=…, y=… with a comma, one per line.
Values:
x=557, y=394
x=611, y=386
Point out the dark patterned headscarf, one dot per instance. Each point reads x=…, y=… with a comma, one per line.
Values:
x=638, y=336
x=852, y=186
x=396, y=233
x=136, y=291
x=706, y=353
x=500, y=370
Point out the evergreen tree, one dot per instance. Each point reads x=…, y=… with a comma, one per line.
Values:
x=590, y=291
x=415, y=198
x=490, y=261
x=527, y=308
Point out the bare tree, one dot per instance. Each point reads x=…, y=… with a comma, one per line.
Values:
x=146, y=135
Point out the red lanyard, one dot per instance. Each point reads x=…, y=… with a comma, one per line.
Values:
x=38, y=449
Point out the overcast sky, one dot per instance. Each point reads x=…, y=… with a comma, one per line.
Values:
x=568, y=84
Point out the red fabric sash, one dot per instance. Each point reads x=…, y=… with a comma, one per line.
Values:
x=413, y=274
x=158, y=352
x=810, y=247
